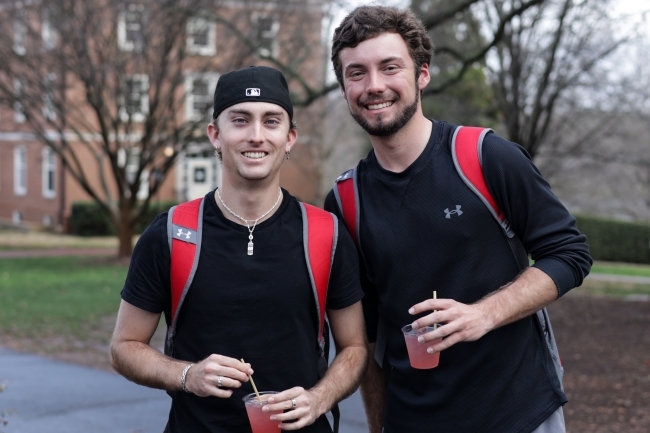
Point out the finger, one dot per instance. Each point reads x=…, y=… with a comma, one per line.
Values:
x=431, y=304
x=295, y=414
x=298, y=424
x=439, y=332
x=226, y=382
x=446, y=343
x=217, y=392
x=233, y=363
x=280, y=406
x=214, y=370
x=286, y=394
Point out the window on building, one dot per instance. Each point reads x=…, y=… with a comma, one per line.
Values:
x=20, y=32
x=201, y=36
x=199, y=91
x=49, y=83
x=49, y=172
x=19, y=108
x=20, y=170
x=265, y=31
x=48, y=221
x=135, y=101
x=48, y=34
x=130, y=160
x=130, y=26
x=16, y=217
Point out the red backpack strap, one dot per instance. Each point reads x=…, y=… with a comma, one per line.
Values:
x=346, y=192
x=184, y=228
x=320, y=234
x=467, y=153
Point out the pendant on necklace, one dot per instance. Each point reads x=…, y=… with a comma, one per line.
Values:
x=250, y=245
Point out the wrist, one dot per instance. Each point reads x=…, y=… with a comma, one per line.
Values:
x=322, y=403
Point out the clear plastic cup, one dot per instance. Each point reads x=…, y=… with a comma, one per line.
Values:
x=418, y=355
x=261, y=421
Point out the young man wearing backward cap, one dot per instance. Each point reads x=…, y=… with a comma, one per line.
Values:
x=251, y=296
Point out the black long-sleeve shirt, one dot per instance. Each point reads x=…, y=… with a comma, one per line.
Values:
x=504, y=382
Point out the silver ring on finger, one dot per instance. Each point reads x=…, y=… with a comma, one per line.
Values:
x=219, y=381
x=293, y=403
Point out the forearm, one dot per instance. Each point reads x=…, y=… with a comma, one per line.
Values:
x=528, y=293
x=373, y=392
x=146, y=366
x=342, y=377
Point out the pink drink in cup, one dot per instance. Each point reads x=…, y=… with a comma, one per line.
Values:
x=261, y=421
x=418, y=355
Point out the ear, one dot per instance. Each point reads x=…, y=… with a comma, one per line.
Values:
x=291, y=139
x=425, y=77
x=343, y=92
x=213, y=135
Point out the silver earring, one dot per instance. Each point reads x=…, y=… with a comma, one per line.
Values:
x=217, y=153
x=287, y=153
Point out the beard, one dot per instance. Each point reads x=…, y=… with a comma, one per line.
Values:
x=386, y=129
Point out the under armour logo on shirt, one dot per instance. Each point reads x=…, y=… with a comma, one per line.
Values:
x=457, y=212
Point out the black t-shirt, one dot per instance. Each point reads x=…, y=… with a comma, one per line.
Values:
x=260, y=308
x=413, y=244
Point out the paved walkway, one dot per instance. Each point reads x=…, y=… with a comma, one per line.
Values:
x=48, y=396
x=58, y=252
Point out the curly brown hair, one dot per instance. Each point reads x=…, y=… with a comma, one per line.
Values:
x=366, y=22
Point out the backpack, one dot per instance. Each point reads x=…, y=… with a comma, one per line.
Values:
x=184, y=235
x=466, y=150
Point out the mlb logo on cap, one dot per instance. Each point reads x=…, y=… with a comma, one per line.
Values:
x=253, y=92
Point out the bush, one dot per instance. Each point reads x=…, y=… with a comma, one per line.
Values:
x=155, y=209
x=616, y=241
x=88, y=218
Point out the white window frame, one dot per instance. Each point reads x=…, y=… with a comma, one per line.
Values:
x=49, y=83
x=20, y=170
x=211, y=78
x=202, y=50
x=19, y=108
x=271, y=34
x=122, y=27
x=130, y=160
x=48, y=170
x=48, y=34
x=20, y=32
x=139, y=115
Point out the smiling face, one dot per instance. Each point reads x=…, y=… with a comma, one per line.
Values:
x=380, y=84
x=253, y=138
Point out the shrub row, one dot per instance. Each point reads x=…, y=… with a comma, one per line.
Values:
x=88, y=218
x=616, y=241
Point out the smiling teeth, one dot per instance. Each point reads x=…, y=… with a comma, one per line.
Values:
x=254, y=155
x=378, y=106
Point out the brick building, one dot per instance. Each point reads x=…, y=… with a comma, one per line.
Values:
x=104, y=154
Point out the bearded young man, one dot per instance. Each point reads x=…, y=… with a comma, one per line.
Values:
x=495, y=372
x=251, y=297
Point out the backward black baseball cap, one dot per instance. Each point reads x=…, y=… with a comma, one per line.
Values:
x=252, y=84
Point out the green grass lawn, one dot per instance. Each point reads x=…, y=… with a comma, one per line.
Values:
x=631, y=269
x=63, y=296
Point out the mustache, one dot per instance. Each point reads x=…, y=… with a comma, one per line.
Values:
x=375, y=99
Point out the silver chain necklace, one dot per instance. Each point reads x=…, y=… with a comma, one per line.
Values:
x=250, y=229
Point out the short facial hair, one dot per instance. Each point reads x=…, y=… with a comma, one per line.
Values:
x=387, y=129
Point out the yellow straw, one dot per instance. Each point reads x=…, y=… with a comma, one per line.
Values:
x=253, y=383
x=435, y=296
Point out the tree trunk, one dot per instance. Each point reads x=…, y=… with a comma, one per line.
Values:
x=125, y=232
